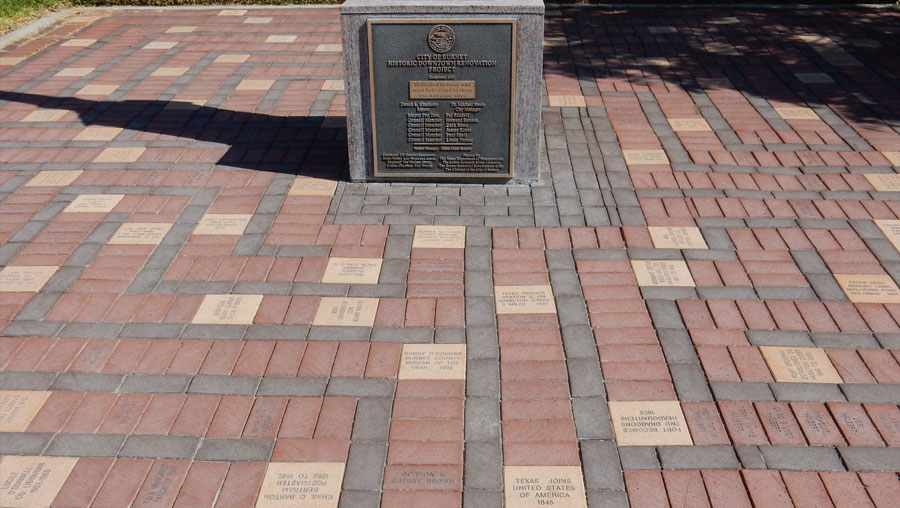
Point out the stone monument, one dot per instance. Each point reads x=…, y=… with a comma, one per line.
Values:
x=441, y=90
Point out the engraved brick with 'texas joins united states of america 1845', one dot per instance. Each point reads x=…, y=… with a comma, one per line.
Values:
x=540, y=486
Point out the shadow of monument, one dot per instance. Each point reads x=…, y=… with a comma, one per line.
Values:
x=301, y=145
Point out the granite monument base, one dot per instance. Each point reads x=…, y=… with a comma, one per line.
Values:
x=443, y=91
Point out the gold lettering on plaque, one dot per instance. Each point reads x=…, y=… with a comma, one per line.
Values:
x=441, y=89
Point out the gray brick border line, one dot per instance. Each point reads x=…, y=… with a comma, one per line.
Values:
x=593, y=186
x=851, y=87
x=624, y=209
x=690, y=379
x=822, y=284
x=837, y=340
x=177, y=331
x=669, y=140
x=555, y=149
x=132, y=81
x=335, y=201
x=11, y=248
x=264, y=216
x=58, y=285
x=100, y=44
x=137, y=446
x=758, y=194
x=599, y=456
x=192, y=72
x=758, y=102
x=549, y=200
x=802, y=392
x=367, y=458
x=853, y=140
x=20, y=179
x=679, y=167
x=21, y=35
x=150, y=276
x=483, y=459
x=362, y=485
x=84, y=254
x=453, y=204
x=362, y=476
x=725, y=222
x=122, y=140
x=789, y=458
x=578, y=191
x=368, y=451
x=713, y=116
x=251, y=386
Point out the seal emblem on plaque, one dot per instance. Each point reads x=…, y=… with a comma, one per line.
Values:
x=441, y=39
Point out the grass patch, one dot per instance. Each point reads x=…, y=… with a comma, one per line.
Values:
x=15, y=13
x=165, y=3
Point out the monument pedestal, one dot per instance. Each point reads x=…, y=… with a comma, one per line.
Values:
x=443, y=90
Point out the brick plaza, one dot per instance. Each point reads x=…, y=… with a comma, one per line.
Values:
x=696, y=306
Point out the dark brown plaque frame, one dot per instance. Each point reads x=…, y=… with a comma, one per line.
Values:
x=512, y=97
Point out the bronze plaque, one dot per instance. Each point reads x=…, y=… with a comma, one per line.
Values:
x=442, y=97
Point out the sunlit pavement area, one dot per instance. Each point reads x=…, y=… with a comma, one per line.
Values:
x=696, y=306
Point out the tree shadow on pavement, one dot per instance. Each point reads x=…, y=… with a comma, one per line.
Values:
x=756, y=51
